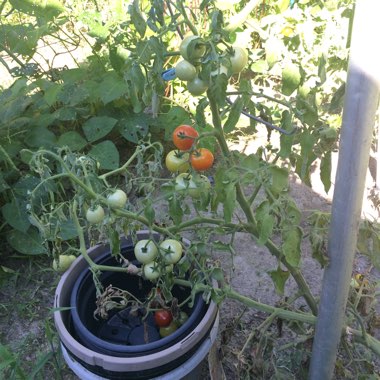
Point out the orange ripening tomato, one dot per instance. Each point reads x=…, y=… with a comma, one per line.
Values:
x=184, y=136
x=201, y=159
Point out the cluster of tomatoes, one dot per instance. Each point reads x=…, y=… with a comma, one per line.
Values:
x=96, y=214
x=187, y=156
x=158, y=258
x=166, y=323
x=193, y=50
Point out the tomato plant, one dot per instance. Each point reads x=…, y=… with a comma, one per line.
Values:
x=145, y=251
x=171, y=251
x=238, y=59
x=117, y=199
x=192, y=48
x=95, y=214
x=63, y=263
x=202, y=159
x=197, y=86
x=184, y=137
x=163, y=317
x=166, y=331
x=151, y=271
x=184, y=70
x=177, y=161
x=195, y=186
x=182, y=318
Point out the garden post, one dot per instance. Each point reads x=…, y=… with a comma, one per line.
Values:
x=361, y=102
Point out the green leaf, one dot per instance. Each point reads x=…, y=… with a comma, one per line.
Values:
x=98, y=127
x=40, y=137
x=234, y=115
x=273, y=48
x=73, y=140
x=106, y=154
x=286, y=141
x=218, y=88
x=260, y=66
x=111, y=87
x=291, y=78
x=137, y=18
x=265, y=222
x=322, y=68
x=29, y=243
x=95, y=25
x=16, y=215
x=149, y=212
x=279, y=179
x=114, y=239
x=325, y=173
x=135, y=127
x=175, y=209
x=51, y=93
x=291, y=246
x=229, y=201
x=46, y=9
x=279, y=278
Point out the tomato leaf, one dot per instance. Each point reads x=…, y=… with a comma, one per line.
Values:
x=234, y=115
x=291, y=78
x=279, y=278
x=175, y=210
x=279, y=179
x=229, y=201
x=137, y=18
x=291, y=245
x=265, y=222
x=286, y=141
x=149, y=212
x=322, y=68
x=325, y=173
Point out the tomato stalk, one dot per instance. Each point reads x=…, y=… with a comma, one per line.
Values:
x=252, y=223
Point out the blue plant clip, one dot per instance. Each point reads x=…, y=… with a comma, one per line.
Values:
x=169, y=74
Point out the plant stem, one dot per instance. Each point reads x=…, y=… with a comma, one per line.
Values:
x=252, y=224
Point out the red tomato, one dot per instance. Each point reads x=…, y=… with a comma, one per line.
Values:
x=163, y=317
x=201, y=159
x=184, y=136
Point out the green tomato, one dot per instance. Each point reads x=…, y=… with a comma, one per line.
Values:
x=192, y=48
x=197, y=86
x=182, y=181
x=195, y=186
x=171, y=251
x=238, y=59
x=118, y=199
x=198, y=185
x=63, y=263
x=145, y=251
x=177, y=161
x=152, y=271
x=95, y=214
x=184, y=70
x=165, y=331
x=182, y=318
